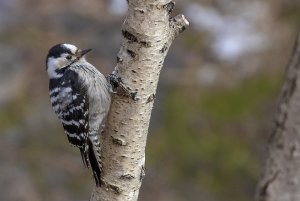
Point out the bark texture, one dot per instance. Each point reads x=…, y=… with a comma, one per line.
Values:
x=281, y=179
x=148, y=32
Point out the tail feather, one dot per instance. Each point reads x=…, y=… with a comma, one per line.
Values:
x=93, y=153
x=85, y=158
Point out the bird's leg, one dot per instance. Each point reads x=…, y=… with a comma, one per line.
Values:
x=102, y=128
x=118, y=87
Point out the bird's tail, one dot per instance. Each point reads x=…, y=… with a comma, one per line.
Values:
x=94, y=156
x=84, y=156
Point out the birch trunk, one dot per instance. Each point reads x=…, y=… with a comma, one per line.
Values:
x=148, y=32
x=281, y=179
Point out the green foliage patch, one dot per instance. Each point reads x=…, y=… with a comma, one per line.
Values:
x=204, y=135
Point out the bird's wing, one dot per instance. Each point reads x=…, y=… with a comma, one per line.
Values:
x=75, y=112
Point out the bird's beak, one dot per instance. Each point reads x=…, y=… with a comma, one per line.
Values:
x=81, y=53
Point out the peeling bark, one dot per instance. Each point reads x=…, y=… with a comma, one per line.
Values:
x=148, y=32
x=281, y=179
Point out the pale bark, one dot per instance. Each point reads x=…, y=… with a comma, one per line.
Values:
x=148, y=32
x=281, y=179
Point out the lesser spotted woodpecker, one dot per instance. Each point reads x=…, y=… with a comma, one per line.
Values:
x=80, y=96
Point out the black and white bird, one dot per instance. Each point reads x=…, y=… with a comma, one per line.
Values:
x=80, y=96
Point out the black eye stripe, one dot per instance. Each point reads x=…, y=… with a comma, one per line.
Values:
x=69, y=57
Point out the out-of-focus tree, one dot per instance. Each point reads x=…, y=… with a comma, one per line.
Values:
x=281, y=179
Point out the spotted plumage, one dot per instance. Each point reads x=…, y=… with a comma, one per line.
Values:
x=80, y=97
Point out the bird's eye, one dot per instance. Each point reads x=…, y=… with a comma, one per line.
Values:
x=69, y=57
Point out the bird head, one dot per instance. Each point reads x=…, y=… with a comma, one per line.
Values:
x=61, y=56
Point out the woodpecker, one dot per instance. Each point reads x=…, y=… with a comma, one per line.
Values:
x=80, y=97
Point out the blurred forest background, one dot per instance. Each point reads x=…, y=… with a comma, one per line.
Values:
x=214, y=108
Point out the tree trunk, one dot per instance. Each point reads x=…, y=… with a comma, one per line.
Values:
x=281, y=179
x=148, y=32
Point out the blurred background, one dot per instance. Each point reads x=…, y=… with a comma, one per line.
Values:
x=214, y=107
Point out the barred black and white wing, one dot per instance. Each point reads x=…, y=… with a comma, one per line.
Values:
x=70, y=102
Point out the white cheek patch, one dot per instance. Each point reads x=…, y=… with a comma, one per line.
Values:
x=72, y=48
x=54, y=64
